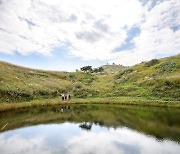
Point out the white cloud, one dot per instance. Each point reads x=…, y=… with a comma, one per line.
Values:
x=157, y=38
x=17, y=144
x=121, y=140
x=90, y=29
x=68, y=138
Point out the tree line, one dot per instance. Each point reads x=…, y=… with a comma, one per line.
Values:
x=89, y=69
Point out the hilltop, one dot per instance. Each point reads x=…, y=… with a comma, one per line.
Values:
x=112, y=68
x=158, y=78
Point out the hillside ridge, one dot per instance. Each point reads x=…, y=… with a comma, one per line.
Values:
x=157, y=78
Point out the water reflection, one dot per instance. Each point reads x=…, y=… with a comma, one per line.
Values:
x=90, y=129
x=68, y=138
x=65, y=108
x=86, y=125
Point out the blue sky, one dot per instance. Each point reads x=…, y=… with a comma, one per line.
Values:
x=66, y=35
x=58, y=61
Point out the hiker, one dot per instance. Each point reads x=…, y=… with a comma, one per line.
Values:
x=68, y=96
x=63, y=97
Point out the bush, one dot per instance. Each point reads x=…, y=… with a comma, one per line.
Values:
x=151, y=62
x=71, y=77
x=14, y=96
x=86, y=68
x=78, y=85
x=94, y=93
x=96, y=70
x=124, y=72
x=166, y=67
x=87, y=79
x=167, y=88
x=81, y=92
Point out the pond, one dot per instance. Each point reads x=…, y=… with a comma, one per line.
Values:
x=90, y=129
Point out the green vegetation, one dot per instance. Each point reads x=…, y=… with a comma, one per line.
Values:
x=86, y=68
x=152, y=62
x=124, y=72
x=112, y=68
x=108, y=100
x=20, y=84
x=167, y=66
x=153, y=80
x=89, y=69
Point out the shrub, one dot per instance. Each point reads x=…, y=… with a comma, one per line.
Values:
x=86, y=68
x=94, y=93
x=151, y=62
x=78, y=85
x=81, y=92
x=14, y=96
x=167, y=66
x=87, y=79
x=71, y=77
x=167, y=88
x=68, y=88
x=124, y=72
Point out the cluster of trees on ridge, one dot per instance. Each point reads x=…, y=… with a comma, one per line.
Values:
x=89, y=69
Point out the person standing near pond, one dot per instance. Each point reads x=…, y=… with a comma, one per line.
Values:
x=63, y=96
x=68, y=96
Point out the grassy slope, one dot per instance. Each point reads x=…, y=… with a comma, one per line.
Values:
x=112, y=68
x=149, y=80
x=159, y=80
x=18, y=83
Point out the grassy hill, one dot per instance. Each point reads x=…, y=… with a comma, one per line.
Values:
x=154, y=79
x=19, y=83
x=112, y=68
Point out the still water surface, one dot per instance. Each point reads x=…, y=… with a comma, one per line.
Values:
x=96, y=129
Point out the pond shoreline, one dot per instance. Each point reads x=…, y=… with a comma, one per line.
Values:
x=113, y=101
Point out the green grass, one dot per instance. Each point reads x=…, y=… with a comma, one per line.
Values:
x=20, y=84
x=156, y=79
x=138, y=101
x=112, y=68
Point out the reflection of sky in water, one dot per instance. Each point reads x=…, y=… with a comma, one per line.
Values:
x=68, y=138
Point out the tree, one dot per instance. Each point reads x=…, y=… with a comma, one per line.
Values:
x=86, y=68
x=101, y=69
x=152, y=62
x=96, y=70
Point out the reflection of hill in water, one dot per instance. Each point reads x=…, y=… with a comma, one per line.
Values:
x=159, y=122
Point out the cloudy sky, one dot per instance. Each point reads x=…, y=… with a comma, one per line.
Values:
x=68, y=34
